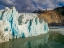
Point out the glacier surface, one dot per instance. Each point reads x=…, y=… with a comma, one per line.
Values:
x=16, y=25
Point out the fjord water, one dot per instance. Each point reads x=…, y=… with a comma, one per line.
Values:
x=49, y=40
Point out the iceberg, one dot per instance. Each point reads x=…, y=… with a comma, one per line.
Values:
x=16, y=25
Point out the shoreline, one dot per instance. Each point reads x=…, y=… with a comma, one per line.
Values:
x=59, y=29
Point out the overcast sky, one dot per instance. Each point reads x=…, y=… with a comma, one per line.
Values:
x=31, y=5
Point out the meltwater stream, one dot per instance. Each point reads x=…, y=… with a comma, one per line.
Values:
x=49, y=40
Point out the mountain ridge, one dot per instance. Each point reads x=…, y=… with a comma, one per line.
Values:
x=52, y=17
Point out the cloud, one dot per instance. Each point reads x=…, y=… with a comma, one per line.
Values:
x=31, y=5
x=6, y=2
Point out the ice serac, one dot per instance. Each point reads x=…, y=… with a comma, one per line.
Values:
x=31, y=25
x=21, y=24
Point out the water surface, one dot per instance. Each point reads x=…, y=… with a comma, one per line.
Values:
x=49, y=40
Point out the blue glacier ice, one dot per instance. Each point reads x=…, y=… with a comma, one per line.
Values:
x=22, y=24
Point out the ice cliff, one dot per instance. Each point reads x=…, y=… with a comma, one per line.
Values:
x=16, y=25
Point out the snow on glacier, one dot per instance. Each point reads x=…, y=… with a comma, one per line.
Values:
x=21, y=24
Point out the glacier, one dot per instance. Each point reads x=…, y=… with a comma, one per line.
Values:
x=16, y=25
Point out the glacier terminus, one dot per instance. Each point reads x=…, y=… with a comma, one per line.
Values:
x=20, y=25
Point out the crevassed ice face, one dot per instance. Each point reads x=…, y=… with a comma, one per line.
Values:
x=6, y=26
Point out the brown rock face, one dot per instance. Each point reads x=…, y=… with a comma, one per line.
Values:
x=52, y=17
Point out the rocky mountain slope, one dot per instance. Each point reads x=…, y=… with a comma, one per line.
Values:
x=53, y=17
